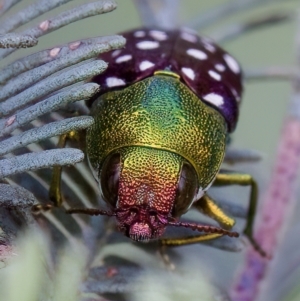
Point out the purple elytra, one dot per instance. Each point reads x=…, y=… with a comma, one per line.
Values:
x=209, y=71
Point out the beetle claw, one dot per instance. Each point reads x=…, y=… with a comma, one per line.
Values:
x=258, y=248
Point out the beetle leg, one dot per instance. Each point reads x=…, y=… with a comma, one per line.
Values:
x=225, y=178
x=208, y=207
x=55, y=184
x=232, y=178
x=55, y=194
x=186, y=240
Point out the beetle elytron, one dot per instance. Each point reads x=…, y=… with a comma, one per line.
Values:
x=168, y=101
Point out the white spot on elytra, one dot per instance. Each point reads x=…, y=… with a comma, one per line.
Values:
x=145, y=65
x=214, y=99
x=116, y=53
x=188, y=72
x=196, y=53
x=232, y=63
x=147, y=45
x=114, y=82
x=209, y=47
x=220, y=67
x=158, y=35
x=189, y=37
x=214, y=75
x=139, y=34
x=124, y=58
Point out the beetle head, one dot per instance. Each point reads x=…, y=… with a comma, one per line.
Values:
x=147, y=188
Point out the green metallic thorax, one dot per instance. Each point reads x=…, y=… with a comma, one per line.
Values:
x=159, y=112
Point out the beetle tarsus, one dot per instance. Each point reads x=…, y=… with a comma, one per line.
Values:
x=39, y=208
x=258, y=248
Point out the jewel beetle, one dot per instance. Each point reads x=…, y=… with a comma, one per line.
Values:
x=167, y=104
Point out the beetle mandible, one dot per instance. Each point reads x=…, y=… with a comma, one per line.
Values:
x=167, y=104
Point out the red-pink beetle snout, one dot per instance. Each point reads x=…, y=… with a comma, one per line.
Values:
x=140, y=231
x=141, y=225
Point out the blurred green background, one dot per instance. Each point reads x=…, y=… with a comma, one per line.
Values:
x=264, y=102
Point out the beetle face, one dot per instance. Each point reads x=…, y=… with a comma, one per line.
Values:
x=147, y=188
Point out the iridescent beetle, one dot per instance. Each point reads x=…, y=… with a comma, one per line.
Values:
x=168, y=101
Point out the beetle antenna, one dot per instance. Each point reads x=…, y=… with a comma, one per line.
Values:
x=90, y=211
x=204, y=228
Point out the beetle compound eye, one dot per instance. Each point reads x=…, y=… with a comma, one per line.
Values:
x=186, y=190
x=109, y=178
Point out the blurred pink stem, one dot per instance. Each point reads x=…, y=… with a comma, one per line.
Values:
x=277, y=202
